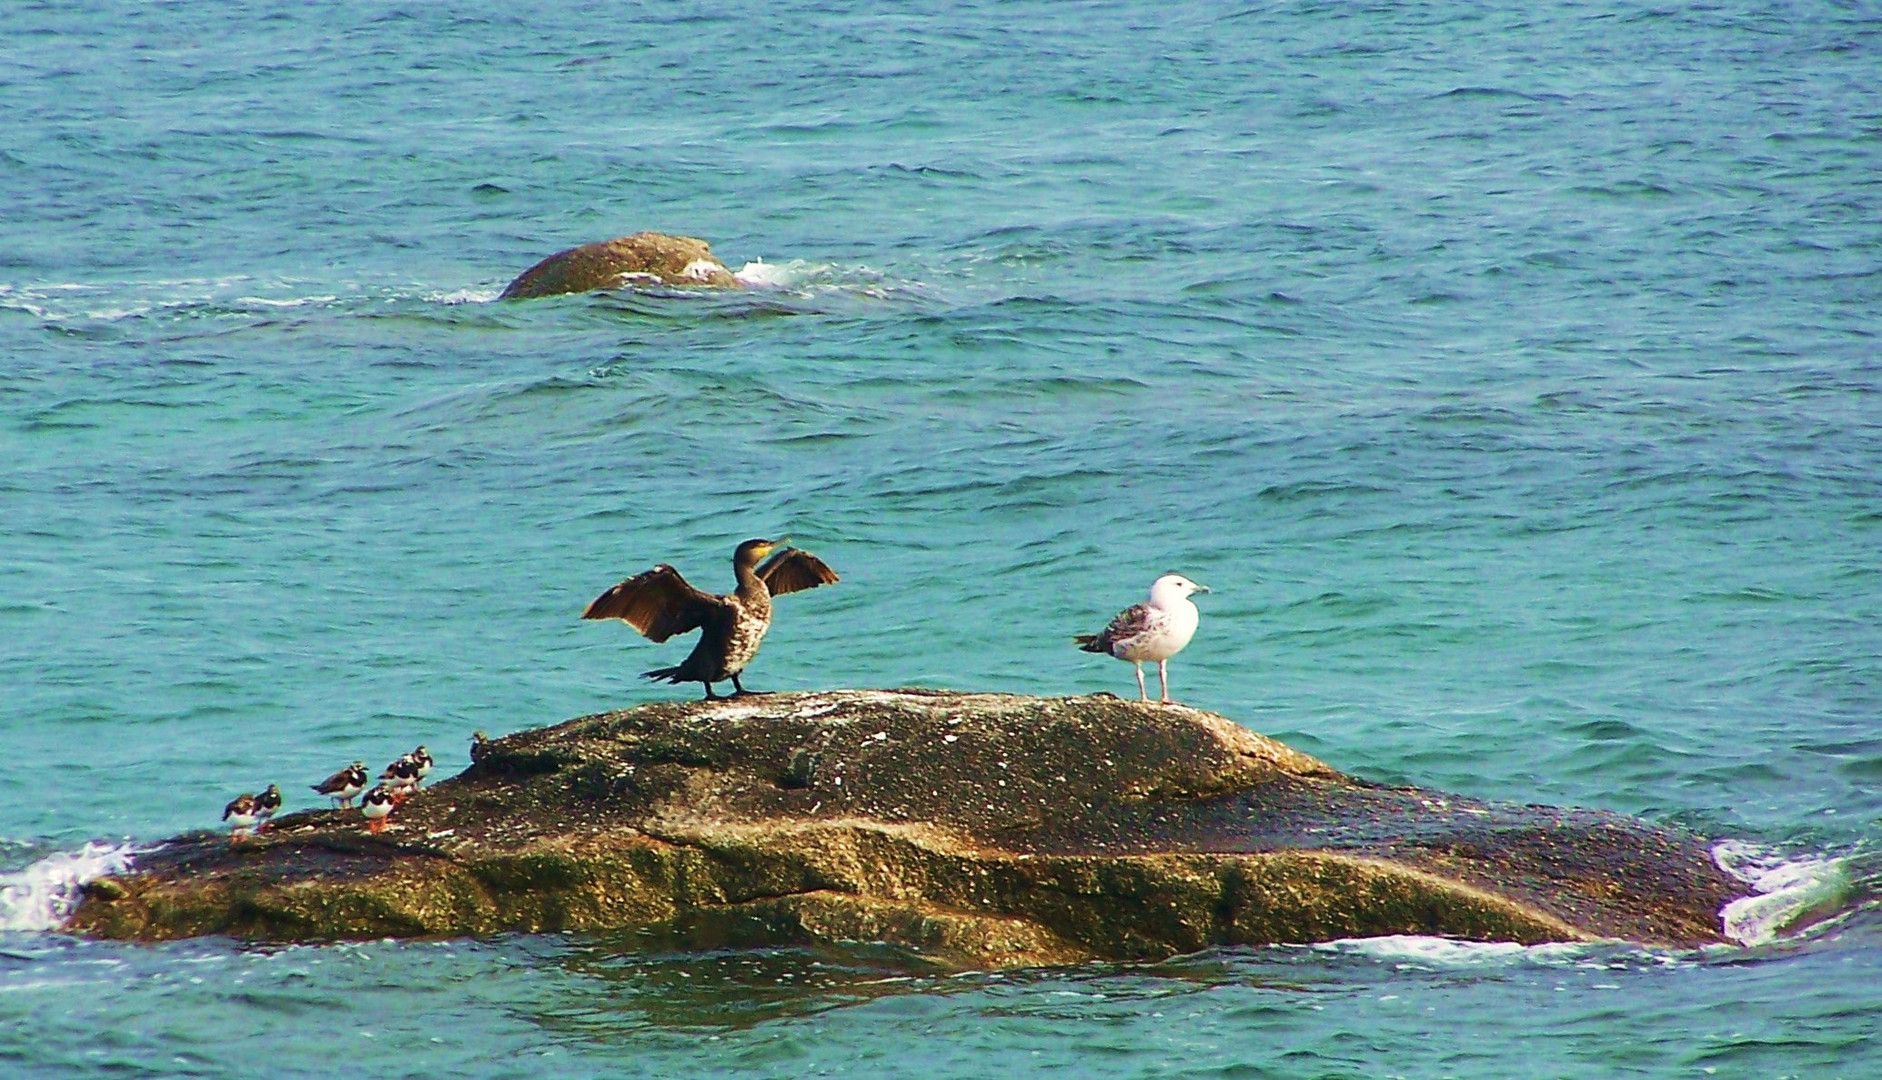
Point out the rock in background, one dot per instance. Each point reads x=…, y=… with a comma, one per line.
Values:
x=645, y=258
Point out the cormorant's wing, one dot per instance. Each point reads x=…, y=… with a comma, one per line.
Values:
x=659, y=603
x=795, y=569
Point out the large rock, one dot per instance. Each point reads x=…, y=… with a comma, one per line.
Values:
x=645, y=258
x=976, y=829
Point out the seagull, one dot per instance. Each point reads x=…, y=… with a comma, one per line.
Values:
x=343, y=785
x=659, y=603
x=1156, y=629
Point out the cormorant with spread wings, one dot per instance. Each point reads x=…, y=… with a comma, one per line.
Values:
x=659, y=603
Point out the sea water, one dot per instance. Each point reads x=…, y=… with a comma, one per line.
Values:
x=1511, y=376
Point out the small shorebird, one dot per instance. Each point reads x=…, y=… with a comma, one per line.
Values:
x=377, y=806
x=1156, y=629
x=659, y=603
x=240, y=814
x=265, y=805
x=421, y=757
x=401, y=778
x=343, y=785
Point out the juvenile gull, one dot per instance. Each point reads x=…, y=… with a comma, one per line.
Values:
x=659, y=603
x=1156, y=629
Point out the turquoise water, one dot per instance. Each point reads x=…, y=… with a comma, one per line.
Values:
x=1512, y=379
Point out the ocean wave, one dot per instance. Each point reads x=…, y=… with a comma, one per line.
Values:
x=67, y=304
x=1790, y=893
x=1425, y=951
x=40, y=896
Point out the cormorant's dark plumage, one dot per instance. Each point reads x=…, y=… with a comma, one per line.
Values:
x=659, y=603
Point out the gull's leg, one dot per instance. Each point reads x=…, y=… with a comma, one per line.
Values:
x=1142, y=694
x=1163, y=680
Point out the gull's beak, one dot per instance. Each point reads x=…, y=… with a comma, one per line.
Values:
x=1202, y=588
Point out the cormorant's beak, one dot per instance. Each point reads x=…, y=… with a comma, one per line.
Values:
x=781, y=541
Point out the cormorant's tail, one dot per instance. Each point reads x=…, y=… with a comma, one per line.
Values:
x=675, y=674
x=1087, y=642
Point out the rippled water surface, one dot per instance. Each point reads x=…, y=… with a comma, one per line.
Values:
x=1511, y=378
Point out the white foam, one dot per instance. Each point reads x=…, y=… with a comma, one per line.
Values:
x=1787, y=892
x=759, y=274
x=1418, y=950
x=40, y=896
x=700, y=269
x=464, y=296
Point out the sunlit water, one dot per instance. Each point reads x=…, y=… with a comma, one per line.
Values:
x=1512, y=380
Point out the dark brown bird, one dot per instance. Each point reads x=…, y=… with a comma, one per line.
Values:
x=659, y=603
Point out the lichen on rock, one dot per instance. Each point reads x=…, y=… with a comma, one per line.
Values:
x=645, y=258
x=983, y=830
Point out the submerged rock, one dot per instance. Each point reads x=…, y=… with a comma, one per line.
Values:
x=645, y=258
x=980, y=830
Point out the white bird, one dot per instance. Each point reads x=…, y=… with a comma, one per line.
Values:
x=1156, y=629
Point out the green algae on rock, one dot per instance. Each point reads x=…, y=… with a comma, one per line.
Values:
x=983, y=830
x=645, y=258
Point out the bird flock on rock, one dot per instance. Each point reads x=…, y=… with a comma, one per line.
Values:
x=248, y=814
x=660, y=604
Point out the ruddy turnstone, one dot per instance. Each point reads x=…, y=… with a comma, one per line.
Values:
x=266, y=804
x=240, y=814
x=343, y=785
x=401, y=778
x=377, y=806
x=422, y=758
x=1156, y=629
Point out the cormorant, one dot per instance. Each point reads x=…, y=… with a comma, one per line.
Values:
x=659, y=603
x=1156, y=629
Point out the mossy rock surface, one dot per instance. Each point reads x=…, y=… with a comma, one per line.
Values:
x=984, y=830
x=645, y=258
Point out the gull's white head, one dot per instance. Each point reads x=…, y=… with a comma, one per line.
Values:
x=1173, y=587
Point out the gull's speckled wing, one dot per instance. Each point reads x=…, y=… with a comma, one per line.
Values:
x=1130, y=624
